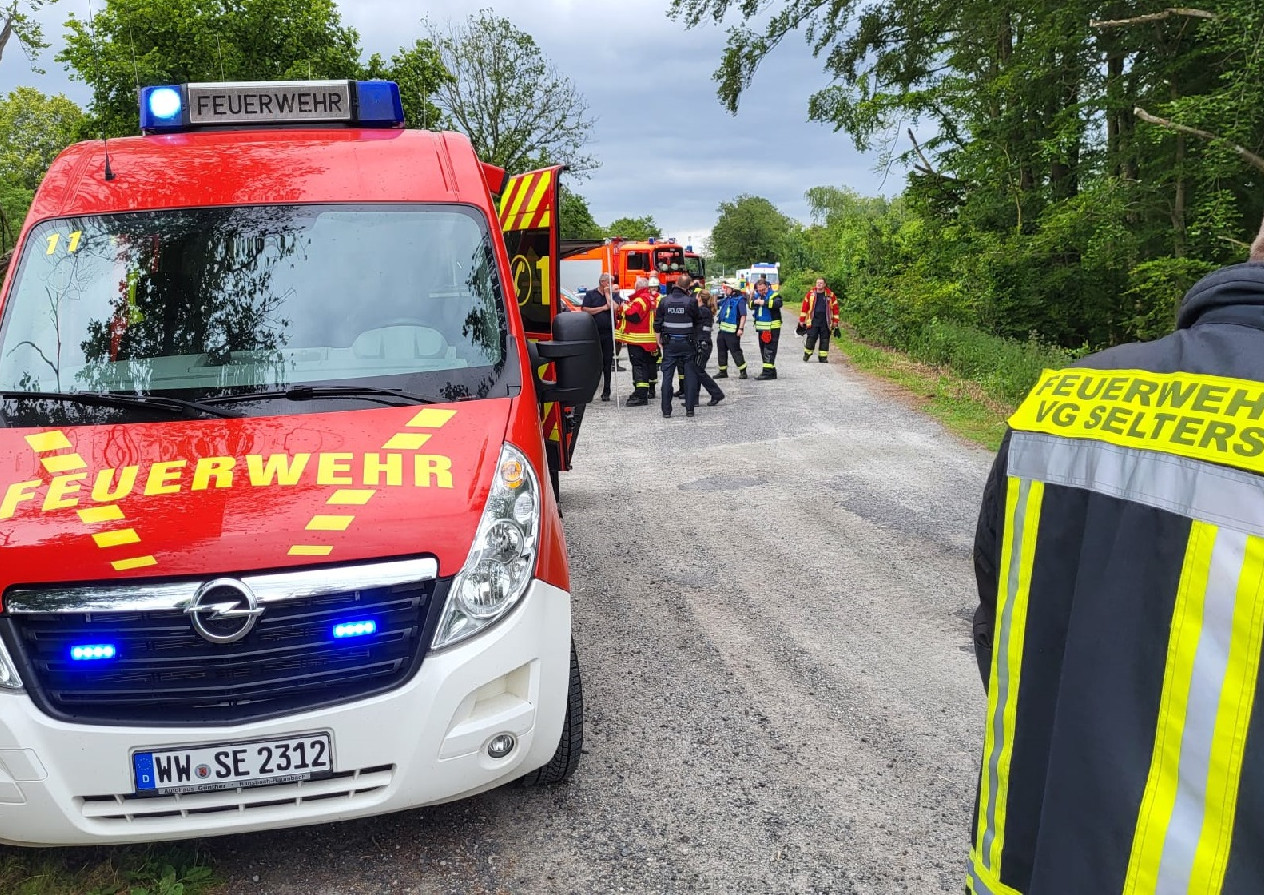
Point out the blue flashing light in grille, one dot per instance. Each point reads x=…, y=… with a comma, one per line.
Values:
x=92, y=652
x=347, y=630
x=161, y=108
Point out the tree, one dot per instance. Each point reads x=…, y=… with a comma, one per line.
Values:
x=17, y=20
x=179, y=41
x=33, y=129
x=635, y=228
x=749, y=229
x=577, y=221
x=418, y=70
x=508, y=98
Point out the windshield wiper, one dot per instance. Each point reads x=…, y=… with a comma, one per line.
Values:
x=390, y=396
x=178, y=406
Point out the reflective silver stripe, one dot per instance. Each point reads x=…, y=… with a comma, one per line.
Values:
x=1001, y=662
x=980, y=887
x=137, y=596
x=1211, y=660
x=1191, y=488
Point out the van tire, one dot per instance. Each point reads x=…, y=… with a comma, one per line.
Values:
x=571, y=745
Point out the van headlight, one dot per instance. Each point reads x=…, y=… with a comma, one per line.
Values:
x=9, y=677
x=503, y=557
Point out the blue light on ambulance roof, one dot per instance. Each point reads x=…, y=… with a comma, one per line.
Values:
x=347, y=630
x=92, y=652
x=161, y=108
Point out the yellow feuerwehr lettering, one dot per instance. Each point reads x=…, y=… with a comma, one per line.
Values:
x=164, y=477
x=431, y=466
x=60, y=490
x=217, y=469
x=106, y=490
x=379, y=466
x=334, y=469
x=278, y=469
x=18, y=492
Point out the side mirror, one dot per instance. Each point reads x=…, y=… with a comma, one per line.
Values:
x=575, y=352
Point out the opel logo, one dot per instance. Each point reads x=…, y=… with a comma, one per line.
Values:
x=224, y=610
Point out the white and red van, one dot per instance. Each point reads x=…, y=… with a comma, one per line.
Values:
x=277, y=541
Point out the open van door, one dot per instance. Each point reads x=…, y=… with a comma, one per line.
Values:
x=530, y=212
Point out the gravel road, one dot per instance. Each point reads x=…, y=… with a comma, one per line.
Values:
x=772, y=606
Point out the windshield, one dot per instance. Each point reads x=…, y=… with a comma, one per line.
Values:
x=693, y=264
x=221, y=303
x=669, y=260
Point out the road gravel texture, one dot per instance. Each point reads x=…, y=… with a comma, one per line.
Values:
x=771, y=605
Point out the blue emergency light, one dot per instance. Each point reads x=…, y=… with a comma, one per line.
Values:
x=175, y=108
x=348, y=630
x=93, y=652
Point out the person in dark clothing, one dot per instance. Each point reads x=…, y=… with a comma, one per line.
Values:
x=676, y=323
x=767, y=312
x=818, y=317
x=600, y=302
x=732, y=323
x=706, y=322
x=1119, y=558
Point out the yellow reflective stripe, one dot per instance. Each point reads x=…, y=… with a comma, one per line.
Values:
x=981, y=881
x=1233, y=716
x=1161, y=784
x=1014, y=662
x=1212, y=418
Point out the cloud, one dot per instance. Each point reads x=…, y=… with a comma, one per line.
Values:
x=667, y=147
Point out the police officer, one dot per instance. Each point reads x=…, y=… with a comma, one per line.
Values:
x=1120, y=565
x=818, y=317
x=676, y=322
x=731, y=321
x=767, y=305
x=637, y=332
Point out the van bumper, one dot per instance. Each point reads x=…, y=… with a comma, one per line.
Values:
x=421, y=744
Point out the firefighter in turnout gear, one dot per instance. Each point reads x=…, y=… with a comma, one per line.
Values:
x=636, y=317
x=818, y=318
x=767, y=311
x=731, y=321
x=676, y=322
x=1120, y=565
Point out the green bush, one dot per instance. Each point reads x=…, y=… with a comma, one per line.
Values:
x=1006, y=368
x=1155, y=289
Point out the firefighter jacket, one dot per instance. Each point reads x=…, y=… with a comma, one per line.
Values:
x=1120, y=565
x=636, y=319
x=809, y=303
x=732, y=312
x=768, y=315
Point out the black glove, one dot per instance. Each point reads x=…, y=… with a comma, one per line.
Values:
x=800, y=330
x=838, y=333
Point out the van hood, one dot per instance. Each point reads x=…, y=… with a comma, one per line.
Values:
x=204, y=497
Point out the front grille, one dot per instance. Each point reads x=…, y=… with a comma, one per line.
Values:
x=164, y=673
x=342, y=790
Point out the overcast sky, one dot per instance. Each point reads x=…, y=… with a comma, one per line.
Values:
x=666, y=146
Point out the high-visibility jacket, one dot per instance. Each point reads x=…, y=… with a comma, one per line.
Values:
x=636, y=319
x=767, y=315
x=1120, y=562
x=809, y=303
x=732, y=312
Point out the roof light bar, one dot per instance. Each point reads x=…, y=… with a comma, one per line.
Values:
x=171, y=108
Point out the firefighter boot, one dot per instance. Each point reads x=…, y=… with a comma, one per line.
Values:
x=741, y=374
x=723, y=374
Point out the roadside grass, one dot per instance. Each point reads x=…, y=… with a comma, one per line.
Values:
x=121, y=870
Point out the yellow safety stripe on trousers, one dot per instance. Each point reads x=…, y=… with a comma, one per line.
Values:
x=1212, y=418
x=980, y=882
x=1023, y=500
x=1185, y=824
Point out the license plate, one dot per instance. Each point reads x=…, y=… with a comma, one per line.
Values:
x=258, y=763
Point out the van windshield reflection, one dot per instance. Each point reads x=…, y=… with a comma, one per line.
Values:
x=218, y=304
